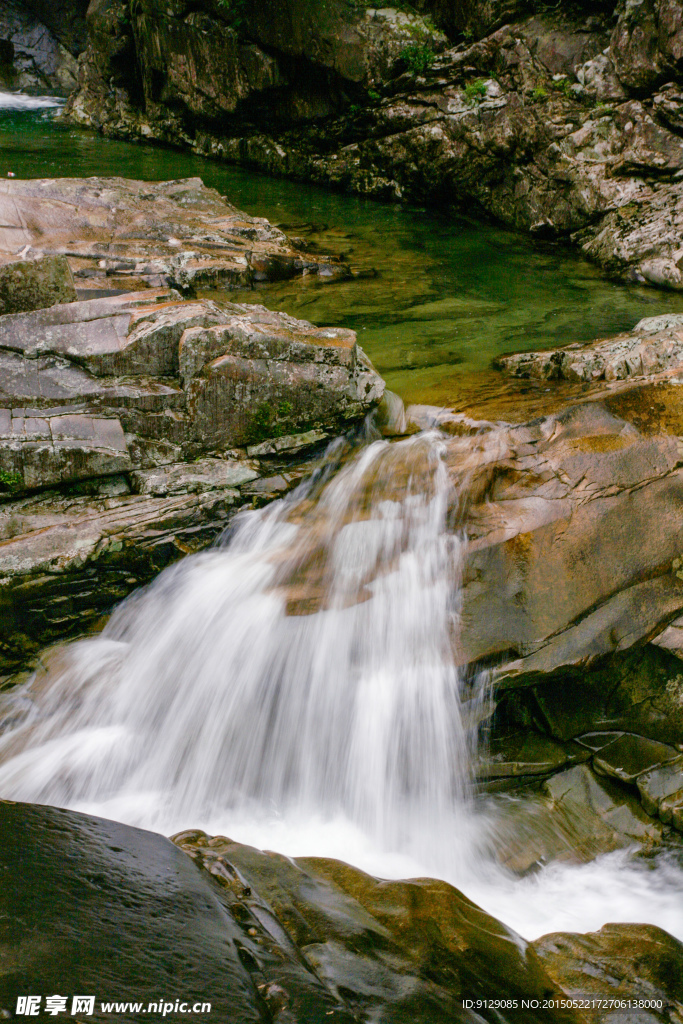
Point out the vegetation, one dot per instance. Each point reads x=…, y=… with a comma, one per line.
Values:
x=475, y=90
x=419, y=57
x=10, y=481
x=268, y=422
x=539, y=94
x=234, y=11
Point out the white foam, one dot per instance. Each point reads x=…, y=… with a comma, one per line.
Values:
x=19, y=101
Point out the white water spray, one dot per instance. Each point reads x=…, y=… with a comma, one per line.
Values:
x=296, y=688
x=19, y=101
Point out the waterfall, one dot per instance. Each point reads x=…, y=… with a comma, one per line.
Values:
x=296, y=687
x=305, y=662
x=19, y=101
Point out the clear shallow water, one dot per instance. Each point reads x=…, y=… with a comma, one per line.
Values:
x=296, y=689
x=449, y=294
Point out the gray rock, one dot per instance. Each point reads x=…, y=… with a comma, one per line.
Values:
x=661, y=789
x=503, y=123
x=127, y=235
x=32, y=59
x=193, y=478
x=35, y=283
x=655, y=345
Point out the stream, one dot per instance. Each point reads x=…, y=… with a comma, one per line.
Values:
x=295, y=687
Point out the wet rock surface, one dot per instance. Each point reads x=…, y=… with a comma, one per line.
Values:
x=265, y=938
x=563, y=124
x=156, y=420
x=121, y=235
x=620, y=962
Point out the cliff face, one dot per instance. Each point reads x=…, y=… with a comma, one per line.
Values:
x=32, y=58
x=566, y=124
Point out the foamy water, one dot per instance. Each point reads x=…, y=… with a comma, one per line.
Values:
x=297, y=690
x=19, y=101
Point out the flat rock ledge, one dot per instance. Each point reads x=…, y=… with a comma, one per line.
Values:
x=133, y=427
x=122, y=235
x=654, y=346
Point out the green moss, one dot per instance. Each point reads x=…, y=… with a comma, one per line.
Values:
x=271, y=422
x=234, y=11
x=10, y=481
x=564, y=86
x=539, y=94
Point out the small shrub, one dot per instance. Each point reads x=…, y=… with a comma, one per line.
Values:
x=419, y=57
x=564, y=86
x=10, y=481
x=475, y=90
x=374, y=96
x=539, y=94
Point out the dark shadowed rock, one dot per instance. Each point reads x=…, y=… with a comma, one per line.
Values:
x=32, y=58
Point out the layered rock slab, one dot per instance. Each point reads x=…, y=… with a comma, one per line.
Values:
x=120, y=235
x=144, y=407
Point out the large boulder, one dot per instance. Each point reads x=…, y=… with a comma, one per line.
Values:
x=119, y=235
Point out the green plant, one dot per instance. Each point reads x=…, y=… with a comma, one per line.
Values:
x=234, y=11
x=374, y=96
x=419, y=57
x=267, y=421
x=475, y=90
x=10, y=481
x=354, y=109
x=539, y=94
x=564, y=86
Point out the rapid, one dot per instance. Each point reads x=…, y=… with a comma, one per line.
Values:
x=297, y=687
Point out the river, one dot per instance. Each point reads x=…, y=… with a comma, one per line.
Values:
x=295, y=687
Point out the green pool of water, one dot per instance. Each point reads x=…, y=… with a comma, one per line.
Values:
x=449, y=294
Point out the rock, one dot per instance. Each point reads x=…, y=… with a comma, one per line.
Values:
x=625, y=962
x=638, y=691
x=408, y=950
x=582, y=796
x=126, y=235
x=654, y=345
x=156, y=394
x=505, y=123
x=31, y=58
x=671, y=639
x=34, y=284
x=574, y=498
x=629, y=756
x=137, y=897
x=65, y=19
x=193, y=478
x=574, y=817
x=662, y=789
x=525, y=755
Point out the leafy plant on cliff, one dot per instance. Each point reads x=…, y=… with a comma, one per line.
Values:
x=419, y=57
x=10, y=481
x=234, y=11
x=475, y=90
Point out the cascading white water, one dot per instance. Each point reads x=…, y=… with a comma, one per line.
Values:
x=297, y=688
x=19, y=101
